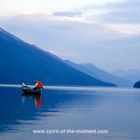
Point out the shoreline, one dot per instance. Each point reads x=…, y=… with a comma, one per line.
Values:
x=74, y=88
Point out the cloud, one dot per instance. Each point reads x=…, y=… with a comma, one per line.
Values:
x=122, y=17
x=123, y=12
x=68, y=14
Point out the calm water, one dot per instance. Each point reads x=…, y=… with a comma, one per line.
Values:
x=117, y=111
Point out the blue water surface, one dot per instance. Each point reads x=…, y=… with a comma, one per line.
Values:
x=117, y=111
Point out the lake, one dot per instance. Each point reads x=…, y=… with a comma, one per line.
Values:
x=77, y=114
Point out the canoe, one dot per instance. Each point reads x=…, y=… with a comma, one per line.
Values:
x=27, y=90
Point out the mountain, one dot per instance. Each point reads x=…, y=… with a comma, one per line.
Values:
x=23, y=62
x=130, y=74
x=98, y=73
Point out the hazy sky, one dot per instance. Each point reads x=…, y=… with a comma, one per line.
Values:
x=103, y=32
x=44, y=6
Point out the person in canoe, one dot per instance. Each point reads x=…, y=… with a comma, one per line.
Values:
x=38, y=85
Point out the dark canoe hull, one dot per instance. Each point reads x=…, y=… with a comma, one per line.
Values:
x=29, y=91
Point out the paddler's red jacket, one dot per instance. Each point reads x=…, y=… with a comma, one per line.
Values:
x=38, y=85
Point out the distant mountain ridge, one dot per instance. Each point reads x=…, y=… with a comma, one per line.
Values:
x=130, y=74
x=98, y=73
x=23, y=62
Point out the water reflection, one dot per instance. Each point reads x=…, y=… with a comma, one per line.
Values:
x=36, y=98
x=16, y=108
